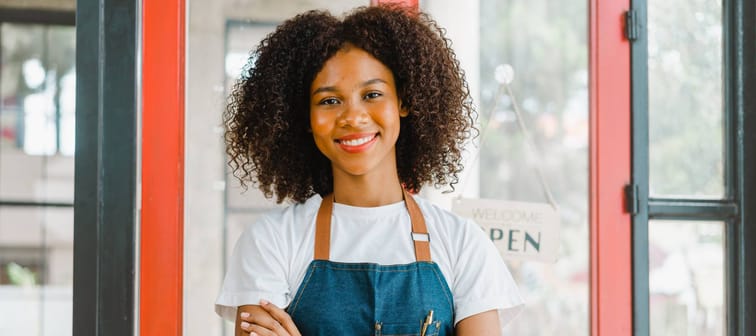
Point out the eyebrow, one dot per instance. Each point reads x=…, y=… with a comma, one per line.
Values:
x=333, y=88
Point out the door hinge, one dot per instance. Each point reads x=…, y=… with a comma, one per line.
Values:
x=632, y=203
x=632, y=25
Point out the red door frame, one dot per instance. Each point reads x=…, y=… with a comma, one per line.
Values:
x=162, y=215
x=161, y=256
x=610, y=169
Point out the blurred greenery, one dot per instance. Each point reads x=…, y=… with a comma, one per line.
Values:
x=685, y=98
x=20, y=275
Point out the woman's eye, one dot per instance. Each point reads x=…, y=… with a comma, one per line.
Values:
x=372, y=95
x=329, y=101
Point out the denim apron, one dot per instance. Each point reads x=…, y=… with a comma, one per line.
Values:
x=370, y=299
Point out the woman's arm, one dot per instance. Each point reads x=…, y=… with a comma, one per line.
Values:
x=485, y=323
x=264, y=319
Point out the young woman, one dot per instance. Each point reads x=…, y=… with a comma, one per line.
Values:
x=344, y=118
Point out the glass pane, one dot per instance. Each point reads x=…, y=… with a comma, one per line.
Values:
x=37, y=89
x=25, y=89
x=552, y=92
x=61, y=54
x=36, y=271
x=37, y=108
x=685, y=98
x=686, y=278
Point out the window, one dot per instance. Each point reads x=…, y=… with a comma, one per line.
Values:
x=38, y=96
x=37, y=108
x=552, y=91
x=688, y=173
x=686, y=157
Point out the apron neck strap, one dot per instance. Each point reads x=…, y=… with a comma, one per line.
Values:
x=323, y=229
x=420, y=235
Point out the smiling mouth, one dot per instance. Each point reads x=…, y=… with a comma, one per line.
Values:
x=357, y=141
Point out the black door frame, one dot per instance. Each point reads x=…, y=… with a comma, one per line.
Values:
x=105, y=192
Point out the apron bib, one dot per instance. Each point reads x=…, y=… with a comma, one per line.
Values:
x=370, y=299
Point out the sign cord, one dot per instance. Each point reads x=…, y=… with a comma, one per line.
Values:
x=529, y=144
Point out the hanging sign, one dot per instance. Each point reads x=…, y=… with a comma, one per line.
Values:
x=520, y=230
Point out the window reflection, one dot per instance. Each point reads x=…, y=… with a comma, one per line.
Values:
x=686, y=133
x=686, y=278
x=38, y=88
x=37, y=111
x=545, y=42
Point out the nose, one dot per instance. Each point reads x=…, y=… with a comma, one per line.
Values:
x=354, y=114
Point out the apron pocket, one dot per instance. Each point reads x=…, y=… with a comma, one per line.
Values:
x=406, y=329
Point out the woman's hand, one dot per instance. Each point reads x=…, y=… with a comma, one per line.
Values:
x=264, y=320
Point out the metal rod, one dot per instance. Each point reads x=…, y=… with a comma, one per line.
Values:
x=691, y=209
x=7, y=203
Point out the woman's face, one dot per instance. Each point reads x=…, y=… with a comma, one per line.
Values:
x=354, y=114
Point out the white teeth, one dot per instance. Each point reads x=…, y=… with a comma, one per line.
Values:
x=357, y=142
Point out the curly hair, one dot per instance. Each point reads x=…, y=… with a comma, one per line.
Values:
x=267, y=117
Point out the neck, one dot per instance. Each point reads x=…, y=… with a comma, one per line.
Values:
x=364, y=191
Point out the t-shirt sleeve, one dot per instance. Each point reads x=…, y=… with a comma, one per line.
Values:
x=482, y=280
x=256, y=270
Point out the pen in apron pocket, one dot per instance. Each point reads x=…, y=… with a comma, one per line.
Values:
x=428, y=321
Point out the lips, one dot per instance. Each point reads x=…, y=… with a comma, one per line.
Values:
x=356, y=143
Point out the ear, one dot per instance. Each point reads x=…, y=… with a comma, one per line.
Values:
x=402, y=110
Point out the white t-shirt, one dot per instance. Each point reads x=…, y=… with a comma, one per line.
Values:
x=272, y=255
